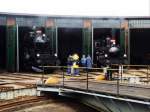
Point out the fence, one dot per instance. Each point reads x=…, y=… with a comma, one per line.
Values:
x=118, y=80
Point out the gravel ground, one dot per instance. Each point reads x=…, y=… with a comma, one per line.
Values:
x=59, y=107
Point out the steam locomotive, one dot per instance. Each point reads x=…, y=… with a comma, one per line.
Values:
x=107, y=52
x=37, y=51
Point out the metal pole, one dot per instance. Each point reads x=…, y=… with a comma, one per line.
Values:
x=63, y=77
x=121, y=58
x=43, y=76
x=92, y=44
x=56, y=39
x=17, y=50
x=125, y=39
x=149, y=8
x=121, y=71
x=52, y=40
x=128, y=43
x=87, y=83
x=147, y=73
x=118, y=85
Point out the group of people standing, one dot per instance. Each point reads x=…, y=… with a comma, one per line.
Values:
x=73, y=63
x=86, y=61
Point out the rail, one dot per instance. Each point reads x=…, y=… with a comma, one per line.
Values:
x=11, y=105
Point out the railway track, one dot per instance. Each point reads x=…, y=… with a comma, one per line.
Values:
x=10, y=106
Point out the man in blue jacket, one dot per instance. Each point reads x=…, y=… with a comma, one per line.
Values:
x=89, y=62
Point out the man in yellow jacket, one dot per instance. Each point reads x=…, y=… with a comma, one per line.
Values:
x=75, y=66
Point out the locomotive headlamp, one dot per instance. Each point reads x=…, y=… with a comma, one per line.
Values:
x=44, y=35
x=38, y=55
x=125, y=55
x=106, y=55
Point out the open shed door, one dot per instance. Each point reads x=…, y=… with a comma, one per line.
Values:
x=140, y=46
x=3, y=43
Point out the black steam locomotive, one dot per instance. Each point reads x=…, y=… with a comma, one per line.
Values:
x=37, y=51
x=107, y=52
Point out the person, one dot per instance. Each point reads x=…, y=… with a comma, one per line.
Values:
x=89, y=62
x=83, y=61
x=75, y=65
x=108, y=41
x=69, y=64
x=57, y=63
x=101, y=59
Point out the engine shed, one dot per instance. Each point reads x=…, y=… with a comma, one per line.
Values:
x=68, y=34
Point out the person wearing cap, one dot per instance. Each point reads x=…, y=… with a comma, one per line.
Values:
x=69, y=64
x=75, y=66
x=83, y=61
x=89, y=62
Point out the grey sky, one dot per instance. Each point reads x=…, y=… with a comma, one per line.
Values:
x=78, y=7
